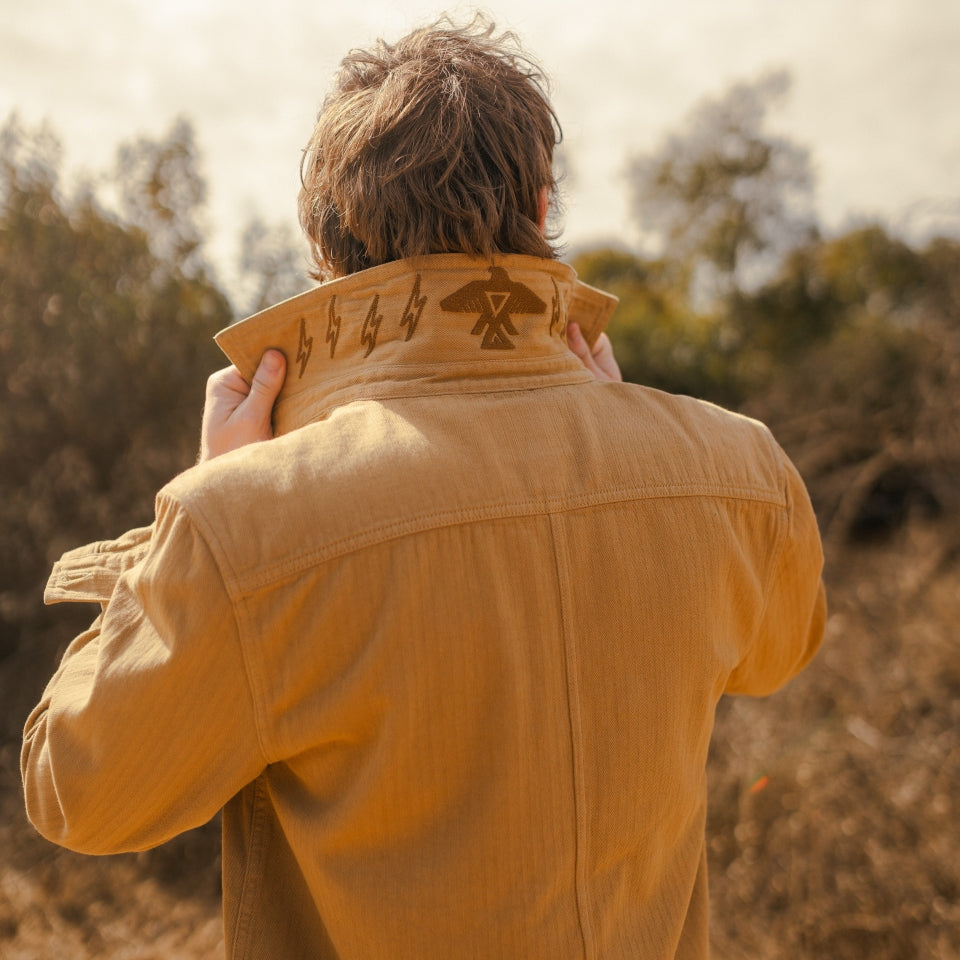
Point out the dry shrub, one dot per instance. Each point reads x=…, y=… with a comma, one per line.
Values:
x=832, y=829
x=833, y=820
x=833, y=823
x=848, y=848
x=161, y=905
x=872, y=420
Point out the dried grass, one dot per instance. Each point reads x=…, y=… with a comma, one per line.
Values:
x=833, y=828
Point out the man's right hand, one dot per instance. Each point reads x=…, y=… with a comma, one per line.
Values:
x=237, y=413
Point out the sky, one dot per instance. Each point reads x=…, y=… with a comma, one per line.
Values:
x=875, y=94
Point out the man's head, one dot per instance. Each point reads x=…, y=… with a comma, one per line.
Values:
x=440, y=143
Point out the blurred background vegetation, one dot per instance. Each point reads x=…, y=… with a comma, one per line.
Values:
x=847, y=345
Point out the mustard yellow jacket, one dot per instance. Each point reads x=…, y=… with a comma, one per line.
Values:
x=447, y=650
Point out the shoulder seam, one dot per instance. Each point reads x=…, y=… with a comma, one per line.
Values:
x=783, y=524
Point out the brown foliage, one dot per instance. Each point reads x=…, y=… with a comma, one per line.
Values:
x=104, y=350
x=849, y=848
x=832, y=828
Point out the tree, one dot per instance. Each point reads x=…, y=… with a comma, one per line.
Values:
x=831, y=284
x=860, y=336
x=104, y=353
x=272, y=268
x=723, y=198
x=658, y=338
x=162, y=192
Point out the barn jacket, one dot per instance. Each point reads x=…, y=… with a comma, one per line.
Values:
x=447, y=650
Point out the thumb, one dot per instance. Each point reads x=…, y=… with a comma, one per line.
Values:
x=267, y=382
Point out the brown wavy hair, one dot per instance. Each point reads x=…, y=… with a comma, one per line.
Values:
x=439, y=143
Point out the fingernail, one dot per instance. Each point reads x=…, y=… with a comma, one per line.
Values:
x=272, y=361
x=573, y=331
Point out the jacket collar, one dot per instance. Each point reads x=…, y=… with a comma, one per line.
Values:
x=426, y=325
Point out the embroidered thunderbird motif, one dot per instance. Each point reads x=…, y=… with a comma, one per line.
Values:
x=494, y=300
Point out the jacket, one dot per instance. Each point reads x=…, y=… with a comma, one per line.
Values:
x=447, y=650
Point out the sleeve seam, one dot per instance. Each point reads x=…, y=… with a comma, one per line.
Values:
x=209, y=539
x=783, y=518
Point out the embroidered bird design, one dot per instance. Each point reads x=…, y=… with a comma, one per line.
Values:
x=494, y=300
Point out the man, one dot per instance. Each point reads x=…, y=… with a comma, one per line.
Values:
x=441, y=617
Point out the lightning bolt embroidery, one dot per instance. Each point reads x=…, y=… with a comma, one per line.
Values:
x=412, y=311
x=555, y=309
x=304, y=347
x=333, y=325
x=371, y=326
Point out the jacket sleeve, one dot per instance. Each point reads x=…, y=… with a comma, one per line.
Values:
x=794, y=614
x=89, y=574
x=148, y=726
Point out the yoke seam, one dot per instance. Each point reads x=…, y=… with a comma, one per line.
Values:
x=257, y=578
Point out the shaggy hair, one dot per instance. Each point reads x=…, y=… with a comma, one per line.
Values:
x=440, y=143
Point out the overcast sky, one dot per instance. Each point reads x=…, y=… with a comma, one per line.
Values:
x=876, y=92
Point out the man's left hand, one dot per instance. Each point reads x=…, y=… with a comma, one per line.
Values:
x=600, y=360
x=237, y=413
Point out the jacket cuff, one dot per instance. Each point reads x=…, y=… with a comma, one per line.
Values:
x=88, y=574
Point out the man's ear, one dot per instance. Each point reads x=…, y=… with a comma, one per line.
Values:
x=543, y=202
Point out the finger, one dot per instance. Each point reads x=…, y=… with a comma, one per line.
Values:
x=581, y=348
x=226, y=384
x=604, y=358
x=267, y=382
x=578, y=343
